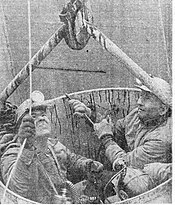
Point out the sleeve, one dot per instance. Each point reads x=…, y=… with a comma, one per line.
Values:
x=6, y=139
x=152, y=150
x=159, y=172
x=71, y=160
x=116, y=145
x=20, y=173
x=119, y=134
x=119, y=127
x=78, y=162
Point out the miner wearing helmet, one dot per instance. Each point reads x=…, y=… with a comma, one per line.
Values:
x=145, y=132
x=41, y=171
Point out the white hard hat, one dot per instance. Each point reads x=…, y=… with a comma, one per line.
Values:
x=37, y=98
x=163, y=86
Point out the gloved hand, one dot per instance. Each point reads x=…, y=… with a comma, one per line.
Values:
x=95, y=166
x=103, y=128
x=79, y=108
x=118, y=164
x=27, y=130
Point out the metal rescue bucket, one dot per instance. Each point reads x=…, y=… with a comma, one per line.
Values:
x=78, y=135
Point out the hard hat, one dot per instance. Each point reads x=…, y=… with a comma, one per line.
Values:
x=163, y=86
x=37, y=98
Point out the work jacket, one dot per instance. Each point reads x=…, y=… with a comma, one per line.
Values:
x=37, y=174
x=158, y=172
x=140, y=143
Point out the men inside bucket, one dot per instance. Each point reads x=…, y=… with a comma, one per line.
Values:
x=40, y=172
x=146, y=130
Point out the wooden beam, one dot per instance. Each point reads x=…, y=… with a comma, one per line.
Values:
x=132, y=67
x=52, y=42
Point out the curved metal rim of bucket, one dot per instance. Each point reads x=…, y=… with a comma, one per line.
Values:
x=88, y=91
x=17, y=195
x=92, y=90
x=124, y=201
x=151, y=190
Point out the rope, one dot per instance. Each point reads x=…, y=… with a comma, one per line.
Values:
x=30, y=55
x=164, y=40
x=11, y=67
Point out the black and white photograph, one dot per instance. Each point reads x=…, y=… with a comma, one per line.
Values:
x=86, y=101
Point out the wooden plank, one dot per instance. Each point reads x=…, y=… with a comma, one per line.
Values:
x=52, y=42
x=132, y=67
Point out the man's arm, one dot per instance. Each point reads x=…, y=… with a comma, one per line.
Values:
x=159, y=172
x=6, y=138
x=20, y=172
x=7, y=125
x=72, y=160
x=153, y=150
x=119, y=134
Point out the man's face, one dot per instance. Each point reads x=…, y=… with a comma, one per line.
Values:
x=42, y=123
x=149, y=106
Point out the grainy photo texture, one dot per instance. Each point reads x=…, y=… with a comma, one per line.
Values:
x=85, y=101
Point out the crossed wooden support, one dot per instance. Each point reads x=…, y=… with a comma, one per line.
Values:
x=78, y=12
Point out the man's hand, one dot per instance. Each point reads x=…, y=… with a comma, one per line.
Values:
x=95, y=166
x=103, y=128
x=27, y=131
x=118, y=164
x=79, y=108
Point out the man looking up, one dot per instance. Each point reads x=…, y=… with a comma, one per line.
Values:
x=40, y=172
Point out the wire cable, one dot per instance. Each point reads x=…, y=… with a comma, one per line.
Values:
x=30, y=54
